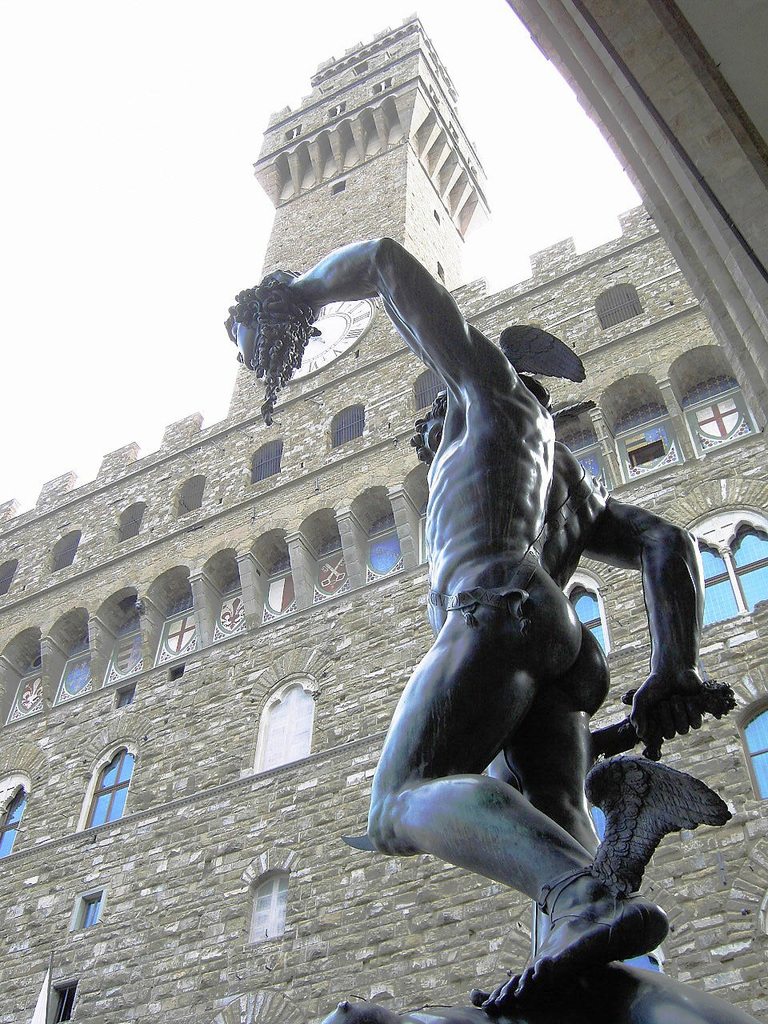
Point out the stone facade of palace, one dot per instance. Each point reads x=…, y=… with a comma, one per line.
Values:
x=200, y=650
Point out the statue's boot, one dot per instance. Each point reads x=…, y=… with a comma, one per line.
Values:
x=589, y=926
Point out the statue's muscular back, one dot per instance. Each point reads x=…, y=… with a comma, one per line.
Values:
x=489, y=482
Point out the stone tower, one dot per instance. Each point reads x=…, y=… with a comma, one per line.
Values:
x=375, y=149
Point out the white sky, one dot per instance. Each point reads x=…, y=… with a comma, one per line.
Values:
x=131, y=217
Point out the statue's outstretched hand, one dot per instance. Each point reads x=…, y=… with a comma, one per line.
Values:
x=668, y=704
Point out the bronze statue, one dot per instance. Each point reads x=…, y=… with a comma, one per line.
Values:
x=511, y=670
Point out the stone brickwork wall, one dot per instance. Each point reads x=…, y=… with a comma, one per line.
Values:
x=202, y=825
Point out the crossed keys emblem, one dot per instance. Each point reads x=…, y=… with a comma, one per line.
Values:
x=332, y=574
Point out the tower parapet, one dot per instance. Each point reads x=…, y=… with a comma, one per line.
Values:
x=381, y=123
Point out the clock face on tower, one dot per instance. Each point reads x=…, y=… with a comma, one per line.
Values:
x=341, y=325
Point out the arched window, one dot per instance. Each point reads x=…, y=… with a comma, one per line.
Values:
x=266, y=461
x=347, y=425
x=587, y=606
x=617, y=304
x=64, y=551
x=426, y=389
x=735, y=574
x=270, y=899
x=191, y=495
x=750, y=556
x=756, y=741
x=7, y=572
x=285, y=733
x=10, y=821
x=130, y=521
x=126, y=658
x=111, y=790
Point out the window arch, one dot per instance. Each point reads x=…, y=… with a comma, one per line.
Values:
x=111, y=789
x=347, y=425
x=71, y=636
x=22, y=676
x=426, y=389
x=7, y=572
x=10, y=819
x=190, y=495
x=64, y=551
x=130, y=521
x=755, y=731
x=267, y=461
x=588, y=605
x=735, y=563
x=270, y=900
x=617, y=304
x=285, y=732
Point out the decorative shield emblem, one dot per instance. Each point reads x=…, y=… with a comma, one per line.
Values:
x=332, y=573
x=281, y=595
x=77, y=676
x=29, y=699
x=384, y=554
x=718, y=420
x=232, y=616
x=127, y=657
x=182, y=633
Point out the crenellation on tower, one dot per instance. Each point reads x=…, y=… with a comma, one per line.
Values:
x=53, y=491
x=116, y=464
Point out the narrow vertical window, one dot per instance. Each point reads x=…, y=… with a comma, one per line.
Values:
x=287, y=728
x=9, y=823
x=7, y=572
x=111, y=790
x=756, y=739
x=270, y=900
x=63, y=1002
x=587, y=607
x=64, y=551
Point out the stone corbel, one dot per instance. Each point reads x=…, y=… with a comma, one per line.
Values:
x=254, y=581
x=206, y=600
x=354, y=544
x=303, y=567
x=407, y=522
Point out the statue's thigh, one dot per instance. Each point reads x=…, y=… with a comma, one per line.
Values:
x=461, y=703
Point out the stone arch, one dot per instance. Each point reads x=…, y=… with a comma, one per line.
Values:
x=310, y=663
x=270, y=861
x=263, y=1007
x=630, y=396
x=111, y=736
x=28, y=758
x=750, y=892
x=697, y=365
x=222, y=570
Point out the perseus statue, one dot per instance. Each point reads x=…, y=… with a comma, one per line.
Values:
x=511, y=671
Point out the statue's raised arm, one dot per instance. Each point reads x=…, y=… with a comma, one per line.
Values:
x=272, y=323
